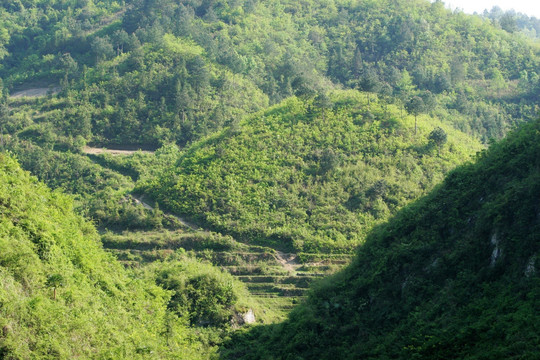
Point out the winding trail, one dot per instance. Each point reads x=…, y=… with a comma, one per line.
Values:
x=139, y=200
x=35, y=92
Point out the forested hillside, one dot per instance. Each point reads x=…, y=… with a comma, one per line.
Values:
x=152, y=72
x=63, y=297
x=452, y=276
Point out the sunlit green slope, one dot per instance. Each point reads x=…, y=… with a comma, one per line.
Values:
x=63, y=297
x=311, y=174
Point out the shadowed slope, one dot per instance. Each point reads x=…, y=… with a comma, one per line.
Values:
x=453, y=276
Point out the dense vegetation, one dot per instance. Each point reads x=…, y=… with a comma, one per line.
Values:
x=62, y=296
x=152, y=72
x=453, y=276
x=310, y=175
x=297, y=126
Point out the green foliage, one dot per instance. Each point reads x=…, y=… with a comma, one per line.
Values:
x=415, y=105
x=453, y=276
x=293, y=177
x=315, y=173
x=62, y=296
x=438, y=137
x=201, y=293
x=152, y=73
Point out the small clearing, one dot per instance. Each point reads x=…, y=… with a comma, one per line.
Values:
x=288, y=261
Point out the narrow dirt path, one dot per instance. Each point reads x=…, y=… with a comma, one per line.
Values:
x=96, y=151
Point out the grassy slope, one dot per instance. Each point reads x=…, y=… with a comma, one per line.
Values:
x=453, y=276
x=310, y=178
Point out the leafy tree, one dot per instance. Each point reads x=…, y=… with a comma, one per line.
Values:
x=415, y=106
x=330, y=159
x=4, y=107
x=69, y=65
x=102, y=48
x=508, y=23
x=438, y=137
x=135, y=60
x=405, y=85
x=54, y=281
x=199, y=75
x=120, y=40
x=443, y=82
x=369, y=79
x=430, y=101
x=322, y=101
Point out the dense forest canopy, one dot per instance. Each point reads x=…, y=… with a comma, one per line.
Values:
x=151, y=72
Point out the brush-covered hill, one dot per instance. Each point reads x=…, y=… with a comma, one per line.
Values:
x=63, y=297
x=453, y=276
x=311, y=175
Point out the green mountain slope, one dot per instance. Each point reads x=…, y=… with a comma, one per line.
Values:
x=311, y=175
x=453, y=276
x=63, y=297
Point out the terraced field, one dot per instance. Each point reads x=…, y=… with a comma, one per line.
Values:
x=279, y=280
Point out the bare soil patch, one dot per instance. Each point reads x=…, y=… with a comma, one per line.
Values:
x=288, y=261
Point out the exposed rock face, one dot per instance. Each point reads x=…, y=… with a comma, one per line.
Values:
x=496, y=251
x=240, y=319
x=249, y=317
